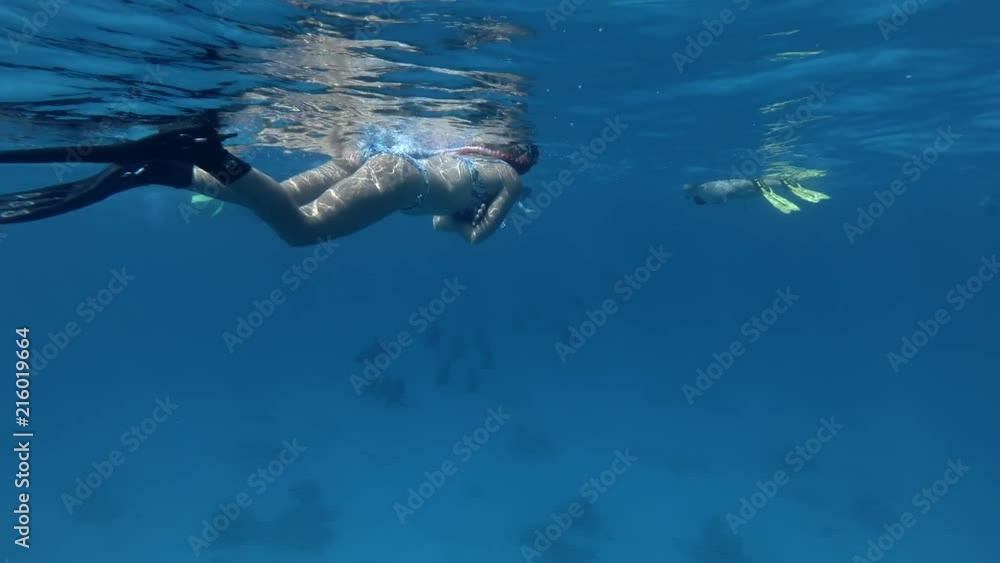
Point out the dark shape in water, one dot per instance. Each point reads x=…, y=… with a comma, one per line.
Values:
x=472, y=383
x=458, y=348
x=245, y=530
x=307, y=525
x=369, y=353
x=565, y=549
x=566, y=335
x=433, y=338
x=869, y=511
x=475, y=491
x=101, y=509
x=390, y=388
x=485, y=351
x=485, y=30
x=443, y=375
x=717, y=545
x=531, y=440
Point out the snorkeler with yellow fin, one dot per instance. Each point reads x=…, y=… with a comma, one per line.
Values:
x=781, y=204
x=784, y=205
x=720, y=191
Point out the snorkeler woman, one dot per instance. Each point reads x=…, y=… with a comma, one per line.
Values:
x=468, y=190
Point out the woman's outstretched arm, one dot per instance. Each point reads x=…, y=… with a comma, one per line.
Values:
x=494, y=217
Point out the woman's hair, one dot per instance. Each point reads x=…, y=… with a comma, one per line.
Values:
x=520, y=156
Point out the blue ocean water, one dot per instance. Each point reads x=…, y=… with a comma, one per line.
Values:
x=618, y=374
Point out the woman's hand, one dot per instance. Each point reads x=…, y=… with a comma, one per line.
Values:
x=494, y=216
x=496, y=213
x=445, y=223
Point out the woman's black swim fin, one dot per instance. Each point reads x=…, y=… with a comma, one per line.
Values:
x=55, y=200
x=184, y=141
x=164, y=158
x=192, y=141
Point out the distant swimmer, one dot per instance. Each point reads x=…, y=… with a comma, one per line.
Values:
x=468, y=190
x=721, y=191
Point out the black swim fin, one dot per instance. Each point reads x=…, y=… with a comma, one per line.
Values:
x=165, y=158
x=33, y=205
x=175, y=142
x=196, y=142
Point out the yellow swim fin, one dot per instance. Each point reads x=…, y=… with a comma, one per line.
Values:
x=781, y=204
x=802, y=193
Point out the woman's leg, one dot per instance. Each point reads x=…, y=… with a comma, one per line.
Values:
x=302, y=188
x=384, y=185
x=309, y=185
